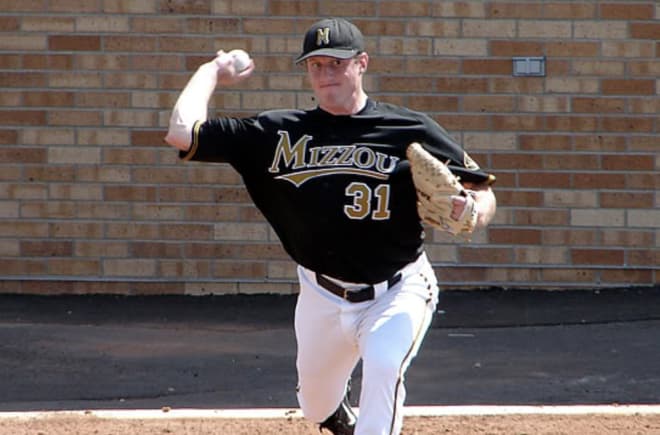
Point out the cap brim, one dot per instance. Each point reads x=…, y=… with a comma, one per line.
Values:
x=330, y=52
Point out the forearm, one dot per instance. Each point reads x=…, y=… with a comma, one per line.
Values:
x=192, y=106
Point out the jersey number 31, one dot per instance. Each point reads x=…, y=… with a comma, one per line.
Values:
x=368, y=202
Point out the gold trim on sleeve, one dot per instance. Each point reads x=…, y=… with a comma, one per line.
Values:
x=195, y=141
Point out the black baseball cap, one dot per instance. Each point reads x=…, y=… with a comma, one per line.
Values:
x=334, y=37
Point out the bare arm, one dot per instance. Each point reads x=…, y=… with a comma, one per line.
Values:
x=192, y=104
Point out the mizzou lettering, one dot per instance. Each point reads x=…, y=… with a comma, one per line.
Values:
x=297, y=157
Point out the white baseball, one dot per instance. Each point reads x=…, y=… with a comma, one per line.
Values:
x=241, y=59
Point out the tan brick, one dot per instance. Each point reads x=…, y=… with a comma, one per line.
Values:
x=187, y=231
x=80, y=155
x=131, y=43
x=572, y=85
x=437, y=28
x=600, y=143
x=103, y=99
x=75, y=230
x=554, y=142
x=48, y=136
x=643, y=218
x=393, y=8
x=157, y=212
x=544, y=29
x=131, y=230
x=102, y=210
x=74, y=117
x=50, y=173
x=241, y=231
x=499, y=9
x=23, y=229
x=467, y=9
x=8, y=209
x=644, y=257
x=644, y=106
x=626, y=11
x=105, y=136
x=9, y=248
x=644, y=68
x=134, y=267
x=100, y=248
x=482, y=255
x=77, y=192
x=160, y=175
x=22, y=266
x=571, y=275
x=131, y=6
x=432, y=65
x=543, y=217
x=489, y=28
x=23, y=42
x=627, y=238
x=517, y=85
x=569, y=10
x=628, y=275
x=597, y=217
x=572, y=237
x=570, y=198
x=590, y=180
x=542, y=104
x=540, y=255
x=489, y=141
x=293, y=8
x=105, y=24
x=517, y=123
x=574, y=49
x=645, y=143
x=281, y=270
x=488, y=104
x=47, y=24
x=460, y=47
x=186, y=268
x=130, y=118
x=642, y=181
x=600, y=29
x=628, y=49
x=598, y=67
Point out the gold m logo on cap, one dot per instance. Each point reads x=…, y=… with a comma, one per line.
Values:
x=323, y=36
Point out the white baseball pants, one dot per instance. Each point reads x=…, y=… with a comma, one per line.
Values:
x=333, y=334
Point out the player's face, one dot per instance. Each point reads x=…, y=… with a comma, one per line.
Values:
x=337, y=83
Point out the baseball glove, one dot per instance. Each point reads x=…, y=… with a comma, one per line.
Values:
x=436, y=186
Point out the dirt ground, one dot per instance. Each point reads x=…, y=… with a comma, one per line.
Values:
x=464, y=425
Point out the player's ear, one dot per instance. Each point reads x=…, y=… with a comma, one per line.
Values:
x=363, y=61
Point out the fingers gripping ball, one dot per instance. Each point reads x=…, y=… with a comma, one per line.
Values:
x=241, y=60
x=436, y=187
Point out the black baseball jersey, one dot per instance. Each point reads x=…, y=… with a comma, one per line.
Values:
x=337, y=190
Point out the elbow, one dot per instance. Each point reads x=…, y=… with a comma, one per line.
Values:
x=178, y=137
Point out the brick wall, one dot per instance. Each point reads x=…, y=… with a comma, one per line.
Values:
x=91, y=200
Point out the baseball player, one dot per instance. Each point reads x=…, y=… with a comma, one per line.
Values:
x=336, y=185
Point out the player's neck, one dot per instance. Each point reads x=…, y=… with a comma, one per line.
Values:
x=354, y=106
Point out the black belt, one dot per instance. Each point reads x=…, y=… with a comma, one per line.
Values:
x=359, y=295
